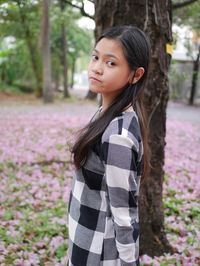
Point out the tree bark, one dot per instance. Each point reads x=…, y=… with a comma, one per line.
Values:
x=46, y=54
x=33, y=51
x=154, y=17
x=80, y=7
x=73, y=72
x=64, y=51
x=194, y=78
x=56, y=81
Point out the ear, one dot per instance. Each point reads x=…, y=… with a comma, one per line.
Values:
x=139, y=72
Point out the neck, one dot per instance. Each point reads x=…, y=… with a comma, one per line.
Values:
x=106, y=101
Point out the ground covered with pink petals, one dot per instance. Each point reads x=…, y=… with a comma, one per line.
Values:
x=35, y=177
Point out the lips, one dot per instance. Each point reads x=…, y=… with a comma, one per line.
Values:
x=93, y=79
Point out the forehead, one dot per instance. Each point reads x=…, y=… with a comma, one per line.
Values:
x=110, y=47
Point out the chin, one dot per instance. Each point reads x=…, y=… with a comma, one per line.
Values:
x=96, y=90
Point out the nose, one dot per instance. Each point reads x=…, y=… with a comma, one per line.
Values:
x=97, y=68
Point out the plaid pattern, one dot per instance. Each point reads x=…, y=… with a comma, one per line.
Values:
x=103, y=206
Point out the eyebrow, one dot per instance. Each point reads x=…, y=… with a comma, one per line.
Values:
x=107, y=54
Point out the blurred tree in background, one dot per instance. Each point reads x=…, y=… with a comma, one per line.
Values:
x=21, y=44
x=47, y=92
x=19, y=30
x=21, y=61
x=187, y=13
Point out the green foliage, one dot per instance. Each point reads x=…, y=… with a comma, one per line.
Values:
x=6, y=237
x=78, y=40
x=9, y=89
x=172, y=204
x=11, y=21
x=188, y=15
x=177, y=79
x=20, y=23
x=16, y=67
x=61, y=251
x=195, y=212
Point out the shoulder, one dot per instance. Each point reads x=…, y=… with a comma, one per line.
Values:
x=126, y=125
x=123, y=131
x=122, y=138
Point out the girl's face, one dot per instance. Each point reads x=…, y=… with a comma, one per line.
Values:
x=108, y=69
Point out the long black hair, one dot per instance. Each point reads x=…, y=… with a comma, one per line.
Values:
x=136, y=50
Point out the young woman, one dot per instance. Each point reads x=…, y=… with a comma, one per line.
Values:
x=110, y=155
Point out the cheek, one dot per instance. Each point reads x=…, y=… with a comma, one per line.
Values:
x=89, y=66
x=119, y=79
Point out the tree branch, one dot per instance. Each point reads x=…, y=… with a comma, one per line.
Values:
x=81, y=8
x=183, y=4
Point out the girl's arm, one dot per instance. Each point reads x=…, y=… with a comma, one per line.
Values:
x=120, y=155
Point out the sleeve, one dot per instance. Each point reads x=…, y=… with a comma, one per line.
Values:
x=120, y=156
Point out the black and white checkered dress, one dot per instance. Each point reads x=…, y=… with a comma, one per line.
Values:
x=103, y=206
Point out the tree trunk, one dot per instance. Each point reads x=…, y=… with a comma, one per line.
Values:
x=64, y=51
x=64, y=61
x=194, y=78
x=154, y=17
x=73, y=71
x=56, y=81
x=47, y=86
x=33, y=51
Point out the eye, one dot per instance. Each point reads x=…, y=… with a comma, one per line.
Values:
x=94, y=57
x=110, y=63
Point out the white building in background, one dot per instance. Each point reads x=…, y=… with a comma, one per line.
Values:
x=181, y=69
x=184, y=38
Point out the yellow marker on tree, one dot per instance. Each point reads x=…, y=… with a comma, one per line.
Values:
x=169, y=48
